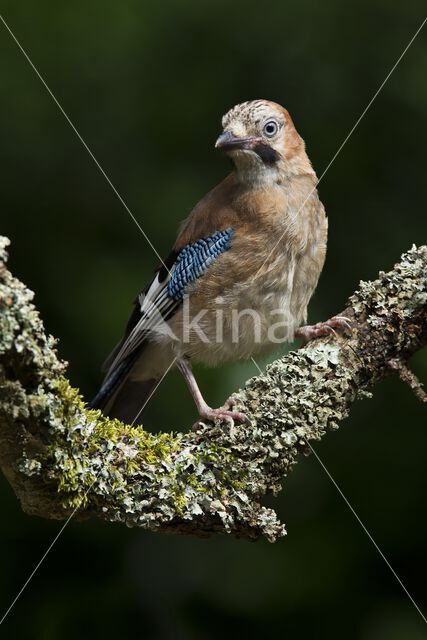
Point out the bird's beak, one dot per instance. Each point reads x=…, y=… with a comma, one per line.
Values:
x=229, y=142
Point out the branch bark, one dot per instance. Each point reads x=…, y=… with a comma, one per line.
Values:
x=61, y=457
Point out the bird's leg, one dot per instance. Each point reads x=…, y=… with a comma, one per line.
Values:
x=321, y=329
x=205, y=411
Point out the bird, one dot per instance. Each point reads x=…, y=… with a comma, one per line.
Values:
x=240, y=275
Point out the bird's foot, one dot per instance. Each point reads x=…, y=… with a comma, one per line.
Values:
x=321, y=329
x=224, y=413
x=231, y=402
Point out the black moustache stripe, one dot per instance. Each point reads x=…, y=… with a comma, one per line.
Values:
x=266, y=153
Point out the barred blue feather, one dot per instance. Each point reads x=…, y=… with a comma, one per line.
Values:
x=194, y=259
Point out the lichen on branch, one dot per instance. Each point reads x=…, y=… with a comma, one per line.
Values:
x=61, y=457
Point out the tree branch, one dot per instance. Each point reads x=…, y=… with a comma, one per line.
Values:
x=60, y=456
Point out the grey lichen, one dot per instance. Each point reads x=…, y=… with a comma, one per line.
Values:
x=61, y=457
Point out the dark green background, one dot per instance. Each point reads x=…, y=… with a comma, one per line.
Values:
x=146, y=84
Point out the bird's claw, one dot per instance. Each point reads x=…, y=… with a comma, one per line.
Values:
x=231, y=402
x=224, y=413
x=343, y=323
x=322, y=329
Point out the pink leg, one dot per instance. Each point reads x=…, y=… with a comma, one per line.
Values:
x=322, y=329
x=205, y=411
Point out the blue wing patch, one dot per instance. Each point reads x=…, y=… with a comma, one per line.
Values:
x=194, y=259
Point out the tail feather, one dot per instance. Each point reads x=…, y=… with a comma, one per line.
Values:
x=111, y=384
x=121, y=397
x=129, y=401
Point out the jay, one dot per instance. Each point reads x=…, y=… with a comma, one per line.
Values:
x=241, y=272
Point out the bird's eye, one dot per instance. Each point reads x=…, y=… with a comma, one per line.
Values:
x=270, y=128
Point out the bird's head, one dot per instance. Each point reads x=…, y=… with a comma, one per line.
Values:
x=262, y=142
